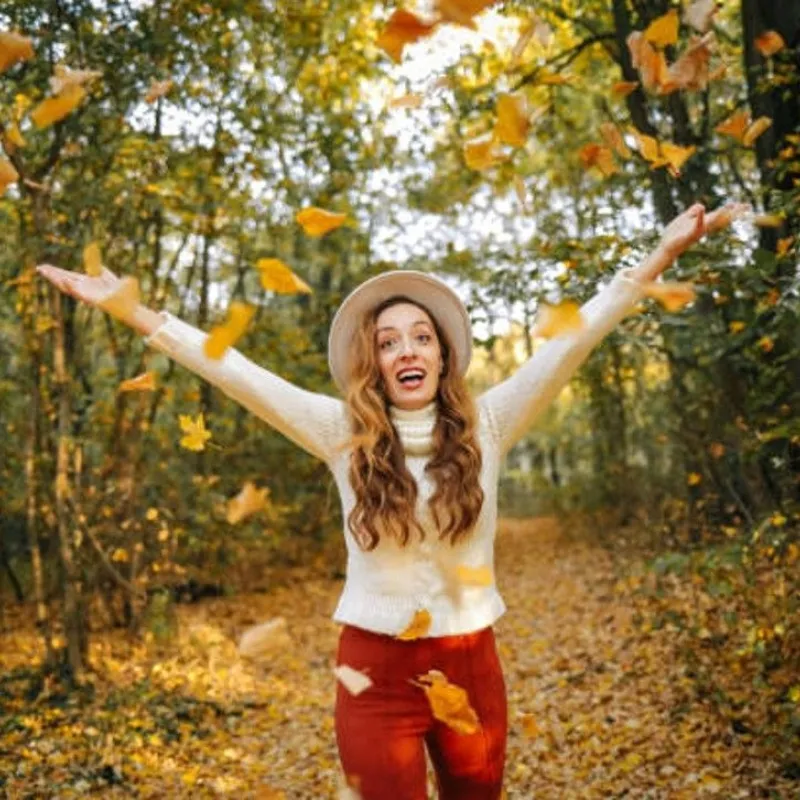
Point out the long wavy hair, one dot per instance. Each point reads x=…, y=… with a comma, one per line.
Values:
x=385, y=490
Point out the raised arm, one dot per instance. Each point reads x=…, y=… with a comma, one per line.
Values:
x=512, y=406
x=315, y=422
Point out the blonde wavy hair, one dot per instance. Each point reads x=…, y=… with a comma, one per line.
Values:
x=386, y=492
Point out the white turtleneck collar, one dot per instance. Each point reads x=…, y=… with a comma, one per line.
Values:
x=415, y=428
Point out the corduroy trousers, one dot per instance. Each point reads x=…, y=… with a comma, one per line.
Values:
x=382, y=732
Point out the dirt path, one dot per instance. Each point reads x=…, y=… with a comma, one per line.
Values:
x=599, y=704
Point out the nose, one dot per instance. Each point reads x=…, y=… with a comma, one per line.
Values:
x=406, y=347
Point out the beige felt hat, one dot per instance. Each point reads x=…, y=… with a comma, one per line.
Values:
x=431, y=293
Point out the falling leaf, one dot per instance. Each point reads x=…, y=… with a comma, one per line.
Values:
x=461, y=12
x=694, y=479
x=766, y=344
x=402, y=28
x=768, y=220
x=482, y=153
x=54, y=109
x=624, y=88
x=650, y=63
x=690, y=71
x=736, y=125
x=226, y=335
x=784, y=245
x=354, y=681
x=529, y=726
x=158, y=89
x=412, y=100
x=717, y=73
x=737, y=326
x=196, y=433
x=8, y=175
x=146, y=382
x=663, y=31
x=698, y=14
x=264, y=639
x=13, y=138
x=673, y=295
x=555, y=320
x=475, y=576
x=613, y=138
x=318, y=222
x=92, y=260
x=14, y=48
x=663, y=154
x=65, y=78
x=123, y=300
x=249, y=501
x=548, y=78
x=769, y=43
x=513, y=121
x=449, y=703
x=755, y=130
x=277, y=277
x=596, y=155
x=418, y=627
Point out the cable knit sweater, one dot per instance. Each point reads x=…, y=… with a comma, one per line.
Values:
x=386, y=586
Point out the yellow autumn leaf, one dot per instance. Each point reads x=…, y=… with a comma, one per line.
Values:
x=402, y=28
x=249, y=501
x=411, y=100
x=461, y=12
x=596, y=155
x=8, y=175
x=54, y=109
x=513, y=121
x=769, y=43
x=196, y=433
x=158, y=89
x=624, y=88
x=556, y=320
x=673, y=295
x=548, y=78
x=529, y=726
x=676, y=155
x=123, y=301
x=418, y=627
x=612, y=136
x=482, y=153
x=226, y=335
x=690, y=70
x=768, y=220
x=14, y=138
x=354, y=681
x=318, y=222
x=766, y=344
x=755, y=130
x=92, y=260
x=64, y=78
x=663, y=31
x=784, y=245
x=694, y=478
x=120, y=555
x=735, y=125
x=277, y=277
x=14, y=48
x=736, y=326
x=449, y=703
x=146, y=382
x=474, y=576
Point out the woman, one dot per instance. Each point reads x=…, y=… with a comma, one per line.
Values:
x=416, y=462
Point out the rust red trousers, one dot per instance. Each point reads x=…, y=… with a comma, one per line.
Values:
x=382, y=733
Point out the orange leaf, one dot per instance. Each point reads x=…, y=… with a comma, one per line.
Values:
x=555, y=320
x=8, y=175
x=196, y=433
x=513, y=122
x=613, y=138
x=158, y=89
x=596, y=155
x=699, y=13
x=13, y=48
x=249, y=501
x=784, y=245
x=92, y=260
x=650, y=62
x=54, y=109
x=474, y=576
x=418, y=627
x=673, y=295
x=402, y=28
x=755, y=130
x=676, y=156
x=482, y=153
x=769, y=43
x=461, y=12
x=413, y=100
x=277, y=277
x=146, y=382
x=529, y=726
x=123, y=300
x=13, y=138
x=449, y=703
x=624, y=88
x=736, y=125
x=354, y=681
x=226, y=335
x=690, y=71
x=318, y=222
x=548, y=78
x=663, y=31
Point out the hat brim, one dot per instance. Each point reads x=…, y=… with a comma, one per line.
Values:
x=431, y=293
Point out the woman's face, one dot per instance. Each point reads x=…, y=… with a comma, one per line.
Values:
x=409, y=355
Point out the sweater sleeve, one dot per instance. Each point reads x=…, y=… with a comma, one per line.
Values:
x=512, y=406
x=315, y=422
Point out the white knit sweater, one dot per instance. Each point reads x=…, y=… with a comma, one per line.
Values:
x=386, y=586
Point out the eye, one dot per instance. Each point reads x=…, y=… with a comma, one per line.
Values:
x=386, y=344
x=425, y=338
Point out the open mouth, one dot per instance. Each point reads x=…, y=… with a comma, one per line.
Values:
x=411, y=378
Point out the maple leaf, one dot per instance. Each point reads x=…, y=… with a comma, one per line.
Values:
x=14, y=48
x=449, y=703
x=196, y=433
x=277, y=277
x=354, y=681
x=560, y=319
x=418, y=627
x=54, y=109
x=226, y=335
x=146, y=382
x=92, y=260
x=318, y=222
x=403, y=28
x=249, y=501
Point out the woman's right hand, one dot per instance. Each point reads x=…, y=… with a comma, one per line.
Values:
x=88, y=289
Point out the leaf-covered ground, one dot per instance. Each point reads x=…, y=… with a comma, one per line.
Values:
x=600, y=704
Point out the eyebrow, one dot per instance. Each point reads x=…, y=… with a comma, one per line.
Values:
x=414, y=325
